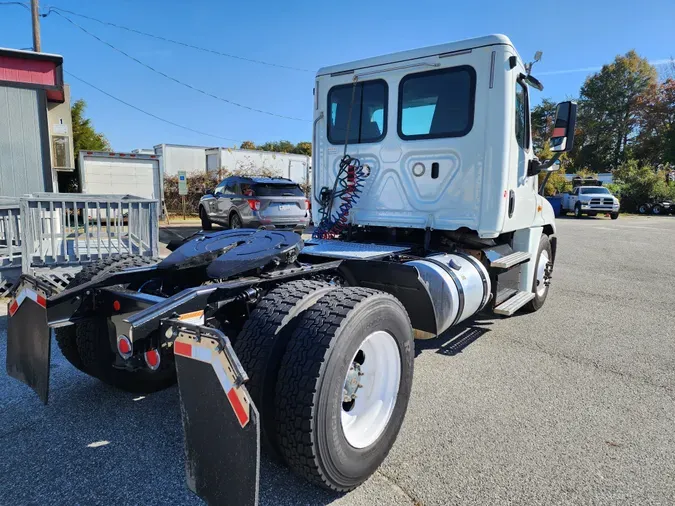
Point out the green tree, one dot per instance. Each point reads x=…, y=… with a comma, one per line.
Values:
x=247, y=145
x=640, y=184
x=84, y=135
x=655, y=144
x=303, y=148
x=543, y=116
x=610, y=108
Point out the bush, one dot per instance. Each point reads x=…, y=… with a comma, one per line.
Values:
x=198, y=183
x=639, y=184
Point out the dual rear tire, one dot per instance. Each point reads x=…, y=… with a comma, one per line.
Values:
x=331, y=373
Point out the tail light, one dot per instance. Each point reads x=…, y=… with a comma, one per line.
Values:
x=308, y=204
x=254, y=204
x=124, y=346
x=152, y=359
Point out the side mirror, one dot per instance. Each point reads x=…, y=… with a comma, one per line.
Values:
x=563, y=128
x=209, y=192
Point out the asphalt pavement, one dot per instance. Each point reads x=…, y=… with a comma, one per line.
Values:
x=571, y=405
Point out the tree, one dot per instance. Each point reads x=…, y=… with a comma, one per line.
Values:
x=247, y=145
x=84, y=135
x=303, y=148
x=610, y=108
x=543, y=116
x=656, y=120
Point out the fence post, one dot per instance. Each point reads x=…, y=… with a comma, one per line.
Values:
x=27, y=239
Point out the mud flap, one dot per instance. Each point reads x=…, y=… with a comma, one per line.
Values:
x=29, y=339
x=220, y=422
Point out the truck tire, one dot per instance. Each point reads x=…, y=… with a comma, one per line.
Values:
x=577, y=210
x=206, y=222
x=261, y=343
x=94, y=338
x=539, y=286
x=657, y=209
x=614, y=216
x=643, y=209
x=66, y=337
x=353, y=339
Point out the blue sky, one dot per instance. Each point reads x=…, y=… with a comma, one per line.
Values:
x=307, y=34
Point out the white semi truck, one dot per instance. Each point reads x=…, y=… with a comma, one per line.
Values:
x=425, y=196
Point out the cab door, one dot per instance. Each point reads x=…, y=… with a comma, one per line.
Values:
x=522, y=189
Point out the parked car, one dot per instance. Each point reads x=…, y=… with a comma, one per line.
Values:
x=253, y=202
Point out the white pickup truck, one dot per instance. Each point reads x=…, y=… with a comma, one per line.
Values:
x=590, y=200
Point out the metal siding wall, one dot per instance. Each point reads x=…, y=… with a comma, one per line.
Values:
x=21, y=163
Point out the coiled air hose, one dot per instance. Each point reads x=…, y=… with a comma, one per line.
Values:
x=347, y=191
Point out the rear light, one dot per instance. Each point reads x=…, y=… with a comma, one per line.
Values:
x=254, y=204
x=152, y=359
x=124, y=346
x=308, y=204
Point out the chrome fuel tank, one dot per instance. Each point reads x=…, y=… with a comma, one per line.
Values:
x=459, y=286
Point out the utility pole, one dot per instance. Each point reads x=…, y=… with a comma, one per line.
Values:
x=35, y=12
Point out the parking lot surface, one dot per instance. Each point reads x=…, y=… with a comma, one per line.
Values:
x=574, y=404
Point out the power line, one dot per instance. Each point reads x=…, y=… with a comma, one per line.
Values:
x=171, y=78
x=146, y=112
x=16, y=3
x=177, y=42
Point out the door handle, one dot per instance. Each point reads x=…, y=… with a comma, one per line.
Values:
x=512, y=202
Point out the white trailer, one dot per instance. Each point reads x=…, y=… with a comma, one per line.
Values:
x=177, y=157
x=106, y=173
x=251, y=162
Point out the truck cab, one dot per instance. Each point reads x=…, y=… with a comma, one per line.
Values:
x=445, y=134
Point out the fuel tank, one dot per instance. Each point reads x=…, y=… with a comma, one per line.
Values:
x=459, y=286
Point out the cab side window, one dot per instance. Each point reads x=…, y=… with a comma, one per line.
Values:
x=522, y=116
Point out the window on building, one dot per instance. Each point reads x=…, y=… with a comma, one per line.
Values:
x=61, y=151
x=438, y=103
x=368, y=121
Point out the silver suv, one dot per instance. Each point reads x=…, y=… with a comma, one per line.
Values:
x=252, y=202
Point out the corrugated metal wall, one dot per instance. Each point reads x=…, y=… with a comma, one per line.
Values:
x=21, y=162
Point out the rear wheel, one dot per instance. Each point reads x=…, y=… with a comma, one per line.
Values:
x=643, y=209
x=542, y=275
x=261, y=344
x=66, y=337
x=95, y=342
x=657, y=209
x=235, y=221
x=343, y=386
x=206, y=222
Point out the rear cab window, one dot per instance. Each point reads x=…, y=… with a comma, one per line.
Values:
x=368, y=119
x=277, y=190
x=437, y=103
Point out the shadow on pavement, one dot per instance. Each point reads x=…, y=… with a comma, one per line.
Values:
x=455, y=339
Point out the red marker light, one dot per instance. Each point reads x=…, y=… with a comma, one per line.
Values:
x=116, y=305
x=124, y=346
x=152, y=359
